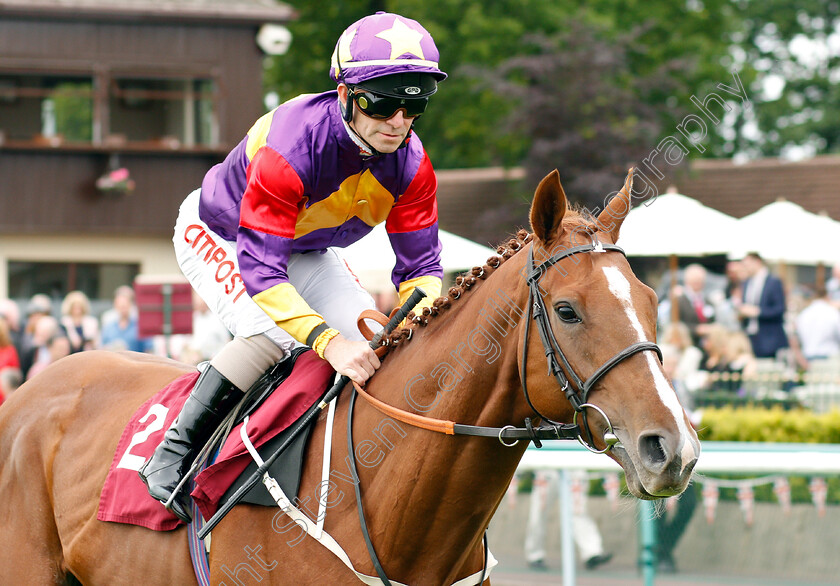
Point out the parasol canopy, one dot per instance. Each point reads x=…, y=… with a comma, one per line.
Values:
x=675, y=224
x=786, y=232
x=372, y=258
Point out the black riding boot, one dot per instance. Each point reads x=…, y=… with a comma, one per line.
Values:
x=209, y=402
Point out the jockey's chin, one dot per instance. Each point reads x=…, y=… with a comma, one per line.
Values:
x=385, y=136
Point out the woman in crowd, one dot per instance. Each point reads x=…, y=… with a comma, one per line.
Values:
x=81, y=327
x=729, y=358
x=689, y=357
x=8, y=353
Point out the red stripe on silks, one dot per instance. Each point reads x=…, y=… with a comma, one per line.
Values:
x=417, y=207
x=273, y=196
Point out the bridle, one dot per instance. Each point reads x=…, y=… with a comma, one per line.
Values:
x=577, y=393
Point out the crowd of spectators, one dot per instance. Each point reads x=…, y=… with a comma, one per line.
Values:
x=728, y=332
x=43, y=330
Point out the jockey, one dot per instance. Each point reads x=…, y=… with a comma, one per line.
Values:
x=319, y=171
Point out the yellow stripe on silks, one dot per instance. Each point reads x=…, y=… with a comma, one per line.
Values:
x=290, y=312
x=431, y=286
x=361, y=196
x=258, y=134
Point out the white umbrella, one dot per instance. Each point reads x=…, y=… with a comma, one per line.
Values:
x=785, y=232
x=372, y=258
x=675, y=224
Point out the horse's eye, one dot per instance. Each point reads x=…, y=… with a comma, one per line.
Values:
x=567, y=314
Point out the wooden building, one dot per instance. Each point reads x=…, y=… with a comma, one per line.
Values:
x=739, y=189
x=90, y=89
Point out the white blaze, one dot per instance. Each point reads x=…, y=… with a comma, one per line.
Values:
x=620, y=287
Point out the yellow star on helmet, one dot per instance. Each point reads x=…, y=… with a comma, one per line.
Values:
x=403, y=39
x=342, y=54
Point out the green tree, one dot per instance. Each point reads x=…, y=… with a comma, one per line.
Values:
x=793, y=47
x=596, y=94
x=73, y=103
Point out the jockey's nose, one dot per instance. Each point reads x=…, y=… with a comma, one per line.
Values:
x=398, y=119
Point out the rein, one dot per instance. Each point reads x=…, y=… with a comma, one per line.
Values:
x=509, y=432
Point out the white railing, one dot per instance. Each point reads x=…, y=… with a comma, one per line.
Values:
x=715, y=458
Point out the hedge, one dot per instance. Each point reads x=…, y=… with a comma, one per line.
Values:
x=778, y=424
x=758, y=424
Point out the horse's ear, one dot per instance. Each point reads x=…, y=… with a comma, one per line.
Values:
x=548, y=208
x=612, y=216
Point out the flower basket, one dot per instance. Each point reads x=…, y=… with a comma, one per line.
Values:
x=116, y=181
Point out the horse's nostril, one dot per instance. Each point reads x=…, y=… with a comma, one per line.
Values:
x=652, y=450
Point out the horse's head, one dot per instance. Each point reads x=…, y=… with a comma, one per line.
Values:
x=599, y=331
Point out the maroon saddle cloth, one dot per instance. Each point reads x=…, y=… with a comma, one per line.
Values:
x=124, y=498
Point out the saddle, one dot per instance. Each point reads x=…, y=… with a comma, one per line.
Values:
x=273, y=405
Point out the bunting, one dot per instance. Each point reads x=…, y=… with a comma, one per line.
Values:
x=513, y=489
x=781, y=488
x=711, y=495
x=580, y=490
x=819, y=491
x=744, y=489
x=746, y=499
x=612, y=486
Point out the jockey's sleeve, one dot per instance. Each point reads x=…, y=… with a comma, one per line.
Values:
x=431, y=286
x=413, y=231
x=269, y=211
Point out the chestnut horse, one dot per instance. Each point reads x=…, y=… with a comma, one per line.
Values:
x=428, y=497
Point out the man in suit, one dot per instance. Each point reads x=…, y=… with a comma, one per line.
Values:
x=762, y=309
x=695, y=310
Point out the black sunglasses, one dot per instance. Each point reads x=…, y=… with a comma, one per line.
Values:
x=383, y=107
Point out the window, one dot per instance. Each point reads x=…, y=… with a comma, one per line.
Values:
x=117, y=110
x=50, y=109
x=97, y=280
x=166, y=112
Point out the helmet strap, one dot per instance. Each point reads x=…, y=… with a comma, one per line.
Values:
x=347, y=107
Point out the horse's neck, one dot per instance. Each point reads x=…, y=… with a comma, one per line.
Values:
x=462, y=367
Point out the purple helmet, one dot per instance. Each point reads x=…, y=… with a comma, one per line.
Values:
x=384, y=44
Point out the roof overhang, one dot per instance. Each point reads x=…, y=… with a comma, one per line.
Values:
x=184, y=11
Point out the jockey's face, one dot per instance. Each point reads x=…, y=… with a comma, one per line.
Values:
x=384, y=135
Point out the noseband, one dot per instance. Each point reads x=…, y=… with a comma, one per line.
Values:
x=577, y=391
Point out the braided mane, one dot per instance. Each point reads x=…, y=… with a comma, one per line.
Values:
x=578, y=218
